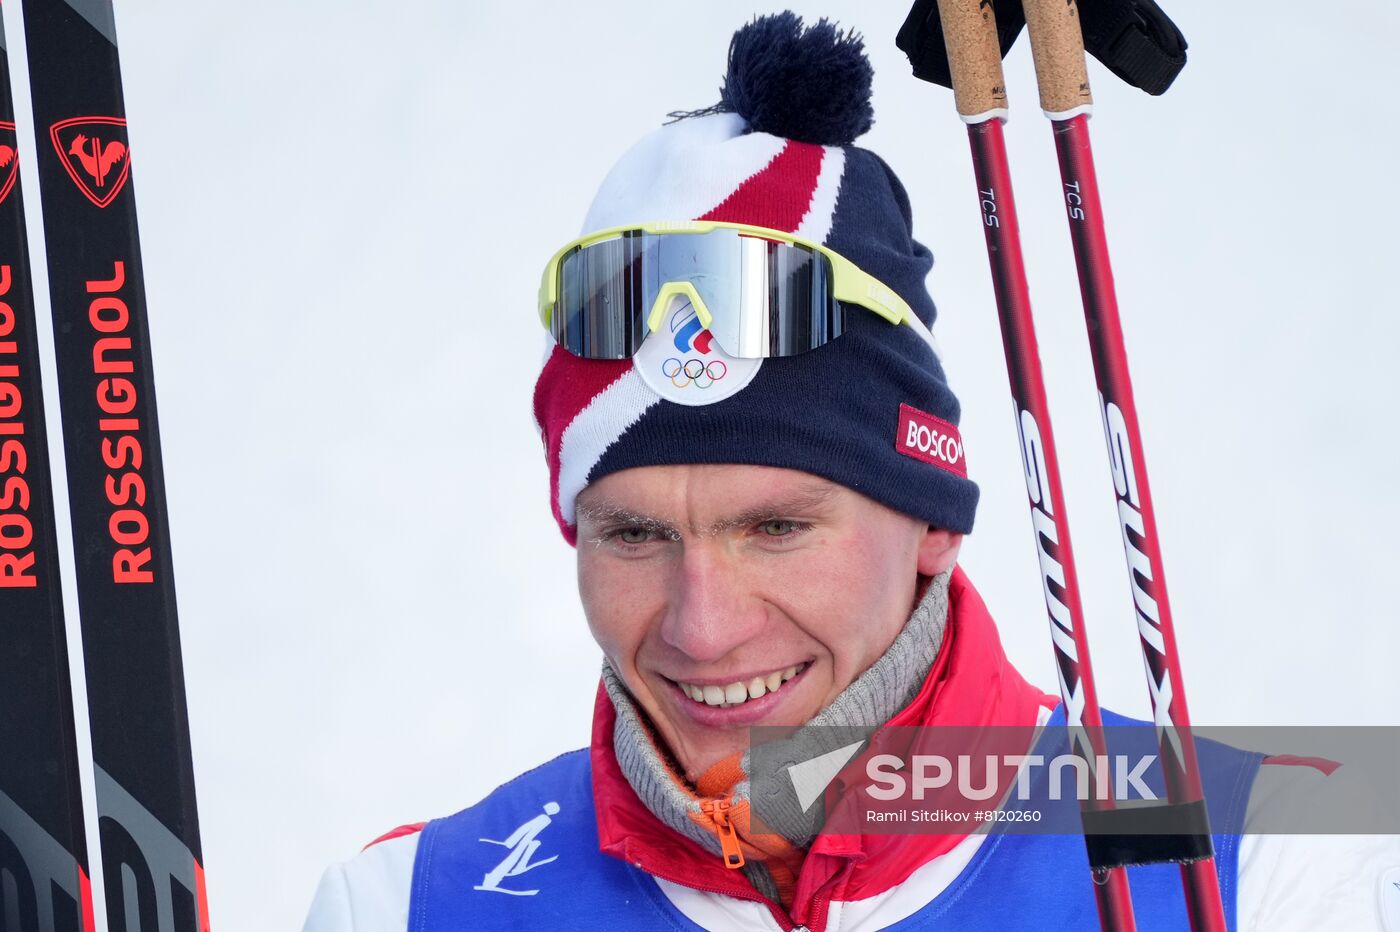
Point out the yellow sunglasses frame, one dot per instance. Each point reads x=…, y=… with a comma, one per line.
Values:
x=849, y=282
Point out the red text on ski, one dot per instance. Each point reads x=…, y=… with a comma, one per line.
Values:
x=113, y=358
x=9, y=158
x=94, y=151
x=16, y=529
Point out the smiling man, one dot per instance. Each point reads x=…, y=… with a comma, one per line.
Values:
x=753, y=446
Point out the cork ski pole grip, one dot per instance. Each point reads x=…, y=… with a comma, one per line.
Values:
x=974, y=59
x=1057, y=45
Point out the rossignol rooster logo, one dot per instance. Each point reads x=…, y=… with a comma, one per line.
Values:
x=9, y=159
x=94, y=150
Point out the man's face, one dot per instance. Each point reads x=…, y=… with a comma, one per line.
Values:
x=728, y=596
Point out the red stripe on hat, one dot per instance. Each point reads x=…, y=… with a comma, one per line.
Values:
x=779, y=195
x=566, y=386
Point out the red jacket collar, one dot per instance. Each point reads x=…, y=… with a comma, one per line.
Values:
x=971, y=683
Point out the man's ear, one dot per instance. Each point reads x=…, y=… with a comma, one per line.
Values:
x=938, y=550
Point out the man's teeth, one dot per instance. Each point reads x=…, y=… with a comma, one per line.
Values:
x=738, y=693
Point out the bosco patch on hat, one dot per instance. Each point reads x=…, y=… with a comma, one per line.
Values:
x=871, y=409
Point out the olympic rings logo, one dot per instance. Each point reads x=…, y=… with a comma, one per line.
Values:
x=693, y=372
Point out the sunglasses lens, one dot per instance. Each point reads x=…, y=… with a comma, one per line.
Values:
x=764, y=297
x=602, y=304
x=802, y=313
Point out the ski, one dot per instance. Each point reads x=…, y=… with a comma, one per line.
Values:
x=44, y=883
x=148, y=828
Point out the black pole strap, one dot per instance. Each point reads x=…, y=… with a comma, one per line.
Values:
x=1156, y=834
x=1133, y=39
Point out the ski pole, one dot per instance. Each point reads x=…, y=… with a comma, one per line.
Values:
x=1057, y=46
x=975, y=60
x=153, y=874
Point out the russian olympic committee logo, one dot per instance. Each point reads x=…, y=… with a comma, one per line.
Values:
x=682, y=363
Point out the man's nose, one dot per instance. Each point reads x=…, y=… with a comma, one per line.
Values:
x=710, y=609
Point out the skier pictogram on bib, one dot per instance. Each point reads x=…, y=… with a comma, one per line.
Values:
x=523, y=845
x=9, y=158
x=94, y=151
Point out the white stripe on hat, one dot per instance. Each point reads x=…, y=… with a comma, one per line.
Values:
x=588, y=436
x=816, y=223
x=681, y=171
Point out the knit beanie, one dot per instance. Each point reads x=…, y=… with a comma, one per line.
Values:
x=871, y=409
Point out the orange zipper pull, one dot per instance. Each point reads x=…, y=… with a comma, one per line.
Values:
x=718, y=811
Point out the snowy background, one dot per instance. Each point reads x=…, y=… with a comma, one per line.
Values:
x=345, y=209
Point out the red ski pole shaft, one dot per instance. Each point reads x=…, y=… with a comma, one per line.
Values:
x=1057, y=45
x=975, y=61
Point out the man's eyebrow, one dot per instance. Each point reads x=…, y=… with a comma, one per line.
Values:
x=802, y=502
x=604, y=511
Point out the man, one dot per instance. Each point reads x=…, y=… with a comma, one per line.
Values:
x=753, y=446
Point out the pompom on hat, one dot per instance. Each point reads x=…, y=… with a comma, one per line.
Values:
x=871, y=409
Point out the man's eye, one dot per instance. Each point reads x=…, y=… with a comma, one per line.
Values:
x=634, y=535
x=778, y=528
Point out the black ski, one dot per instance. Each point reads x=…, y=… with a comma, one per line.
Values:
x=44, y=883
x=147, y=820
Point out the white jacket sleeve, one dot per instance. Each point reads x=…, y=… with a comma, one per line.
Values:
x=368, y=893
x=1312, y=883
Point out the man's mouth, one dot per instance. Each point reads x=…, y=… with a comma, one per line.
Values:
x=740, y=691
